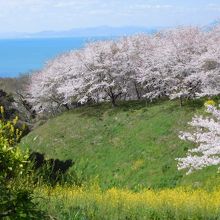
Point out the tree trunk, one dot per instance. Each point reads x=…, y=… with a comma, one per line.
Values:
x=113, y=101
x=66, y=106
x=137, y=92
x=181, y=101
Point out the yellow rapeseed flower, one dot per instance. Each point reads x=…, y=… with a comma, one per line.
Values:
x=2, y=110
x=116, y=200
x=15, y=120
x=210, y=102
x=12, y=129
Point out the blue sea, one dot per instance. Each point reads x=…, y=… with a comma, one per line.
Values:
x=20, y=56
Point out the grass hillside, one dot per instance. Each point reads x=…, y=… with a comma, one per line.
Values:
x=129, y=146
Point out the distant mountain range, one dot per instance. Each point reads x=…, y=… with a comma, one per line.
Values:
x=102, y=31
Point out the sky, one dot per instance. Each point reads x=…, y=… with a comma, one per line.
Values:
x=44, y=15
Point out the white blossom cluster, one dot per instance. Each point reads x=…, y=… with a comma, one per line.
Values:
x=206, y=136
x=180, y=63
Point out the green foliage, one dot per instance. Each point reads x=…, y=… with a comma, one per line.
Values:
x=12, y=160
x=7, y=101
x=17, y=200
x=13, y=108
x=16, y=193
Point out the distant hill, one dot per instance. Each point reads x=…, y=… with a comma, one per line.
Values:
x=101, y=31
x=211, y=25
x=12, y=85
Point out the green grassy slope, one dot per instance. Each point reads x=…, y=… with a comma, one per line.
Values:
x=133, y=144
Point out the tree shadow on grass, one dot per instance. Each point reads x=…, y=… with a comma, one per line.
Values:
x=98, y=110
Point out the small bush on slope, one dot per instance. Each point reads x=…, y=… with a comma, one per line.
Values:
x=16, y=193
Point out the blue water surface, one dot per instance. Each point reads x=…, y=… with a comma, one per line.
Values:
x=20, y=56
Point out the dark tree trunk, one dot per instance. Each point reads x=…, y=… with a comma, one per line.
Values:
x=136, y=90
x=66, y=106
x=113, y=96
x=113, y=102
x=181, y=101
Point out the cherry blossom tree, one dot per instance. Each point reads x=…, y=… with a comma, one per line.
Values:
x=184, y=46
x=206, y=136
x=151, y=76
x=101, y=73
x=208, y=64
x=43, y=87
x=181, y=63
x=168, y=66
x=132, y=56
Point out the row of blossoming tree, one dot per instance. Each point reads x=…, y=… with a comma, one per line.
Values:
x=180, y=63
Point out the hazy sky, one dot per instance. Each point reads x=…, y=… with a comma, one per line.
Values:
x=38, y=15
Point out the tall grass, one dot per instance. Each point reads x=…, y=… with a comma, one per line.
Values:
x=93, y=203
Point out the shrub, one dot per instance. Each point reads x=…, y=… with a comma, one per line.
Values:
x=7, y=101
x=16, y=200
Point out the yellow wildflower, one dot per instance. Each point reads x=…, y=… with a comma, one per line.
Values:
x=2, y=109
x=210, y=102
x=15, y=120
